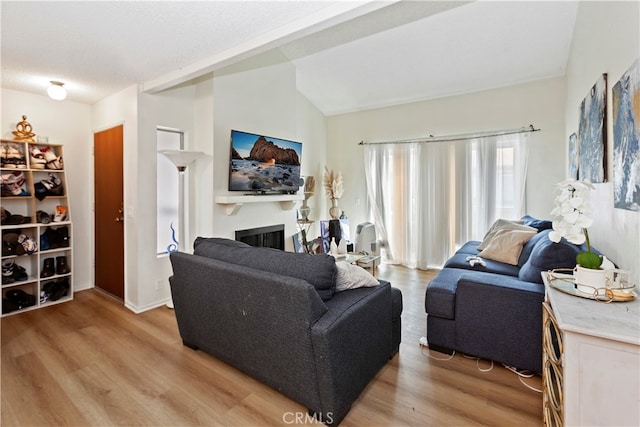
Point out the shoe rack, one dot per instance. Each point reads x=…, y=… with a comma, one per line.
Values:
x=35, y=210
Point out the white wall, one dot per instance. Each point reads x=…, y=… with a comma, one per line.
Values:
x=539, y=103
x=606, y=40
x=67, y=123
x=260, y=96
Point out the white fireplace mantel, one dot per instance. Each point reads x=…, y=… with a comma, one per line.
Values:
x=233, y=204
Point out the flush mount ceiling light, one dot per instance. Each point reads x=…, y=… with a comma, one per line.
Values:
x=57, y=91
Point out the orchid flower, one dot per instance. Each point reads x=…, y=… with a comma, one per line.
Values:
x=572, y=217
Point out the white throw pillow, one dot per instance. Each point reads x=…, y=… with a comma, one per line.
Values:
x=503, y=224
x=506, y=245
x=351, y=277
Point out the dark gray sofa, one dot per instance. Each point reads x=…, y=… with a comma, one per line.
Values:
x=276, y=316
x=495, y=312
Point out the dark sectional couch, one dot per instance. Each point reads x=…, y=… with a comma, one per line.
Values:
x=276, y=316
x=495, y=311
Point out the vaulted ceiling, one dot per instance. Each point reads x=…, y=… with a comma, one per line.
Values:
x=348, y=56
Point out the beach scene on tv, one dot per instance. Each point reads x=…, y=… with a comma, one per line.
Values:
x=264, y=164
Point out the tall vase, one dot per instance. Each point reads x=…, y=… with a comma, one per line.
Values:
x=334, y=210
x=304, y=210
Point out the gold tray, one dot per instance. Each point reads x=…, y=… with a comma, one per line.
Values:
x=562, y=280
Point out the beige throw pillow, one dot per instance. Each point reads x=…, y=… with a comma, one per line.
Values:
x=351, y=277
x=506, y=245
x=503, y=224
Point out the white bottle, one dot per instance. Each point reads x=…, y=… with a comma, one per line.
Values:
x=342, y=246
x=333, y=248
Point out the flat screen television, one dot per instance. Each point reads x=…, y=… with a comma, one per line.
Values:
x=263, y=164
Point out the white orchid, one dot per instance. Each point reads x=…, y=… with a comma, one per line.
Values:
x=572, y=214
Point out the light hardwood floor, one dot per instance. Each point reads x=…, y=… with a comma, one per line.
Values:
x=92, y=362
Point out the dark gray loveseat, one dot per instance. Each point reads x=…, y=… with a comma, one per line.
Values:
x=495, y=312
x=276, y=316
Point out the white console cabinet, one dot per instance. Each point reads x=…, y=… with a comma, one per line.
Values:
x=591, y=361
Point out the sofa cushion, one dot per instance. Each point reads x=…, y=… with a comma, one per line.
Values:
x=317, y=270
x=539, y=224
x=469, y=248
x=492, y=266
x=547, y=255
x=528, y=247
x=506, y=245
x=499, y=225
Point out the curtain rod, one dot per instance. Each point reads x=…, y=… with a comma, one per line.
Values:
x=447, y=138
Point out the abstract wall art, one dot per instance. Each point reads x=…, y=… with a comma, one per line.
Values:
x=573, y=156
x=592, y=134
x=626, y=136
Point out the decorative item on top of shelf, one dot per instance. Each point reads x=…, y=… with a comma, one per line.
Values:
x=334, y=188
x=24, y=131
x=309, y=186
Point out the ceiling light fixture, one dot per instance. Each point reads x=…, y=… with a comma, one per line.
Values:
x=57, y=91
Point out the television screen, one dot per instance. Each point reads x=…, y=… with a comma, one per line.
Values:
x=264, y=164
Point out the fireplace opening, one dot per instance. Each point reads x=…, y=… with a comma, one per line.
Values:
x=268, y=237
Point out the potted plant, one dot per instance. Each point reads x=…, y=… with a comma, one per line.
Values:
x=572, y=218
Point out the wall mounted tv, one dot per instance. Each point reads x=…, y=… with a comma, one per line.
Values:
x=263, y=164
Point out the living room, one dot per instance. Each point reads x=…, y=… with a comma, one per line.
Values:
x=605, y=40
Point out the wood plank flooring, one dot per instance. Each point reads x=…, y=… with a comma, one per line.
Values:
x=92, y=362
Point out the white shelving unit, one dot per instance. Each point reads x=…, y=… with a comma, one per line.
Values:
x=59, y=249
x=233, y=204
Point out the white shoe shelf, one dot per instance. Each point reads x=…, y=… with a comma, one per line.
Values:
x=25, y=206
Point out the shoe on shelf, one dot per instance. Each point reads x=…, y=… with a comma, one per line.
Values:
x=61, y=265
x=37, y=160
x=61, y=214
x=12, y=272
x=30, y=246
x=42, y=217
x=48, y=268
x=51, y=160
x=14, y=158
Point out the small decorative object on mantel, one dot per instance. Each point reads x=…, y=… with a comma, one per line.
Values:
x=309, y=186
x=572, y=218
x=23, y=131
x=333, y=187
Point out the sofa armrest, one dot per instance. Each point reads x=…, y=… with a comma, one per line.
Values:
x=500, y=318
x=351, y=342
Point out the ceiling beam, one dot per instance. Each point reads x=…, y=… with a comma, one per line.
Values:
x=320, y=20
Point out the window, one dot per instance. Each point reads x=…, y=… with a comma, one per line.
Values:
x=167, y=233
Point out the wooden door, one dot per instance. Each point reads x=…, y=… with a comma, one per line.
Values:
x=109, y=211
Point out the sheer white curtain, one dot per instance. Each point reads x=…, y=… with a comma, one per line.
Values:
x=428, y=198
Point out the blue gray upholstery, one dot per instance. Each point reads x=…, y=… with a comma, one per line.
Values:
x=495, y=312
x=276, y=327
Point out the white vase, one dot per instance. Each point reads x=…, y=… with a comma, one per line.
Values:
x=342, y=246
x=587, y=280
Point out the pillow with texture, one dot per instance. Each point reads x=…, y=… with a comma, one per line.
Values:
x=506, y=245
x=502, y=224
x=351, y=277
x=539, y=224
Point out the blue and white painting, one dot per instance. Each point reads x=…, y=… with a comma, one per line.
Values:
x=592, y=135
x=626, y=133
x=573, y=156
